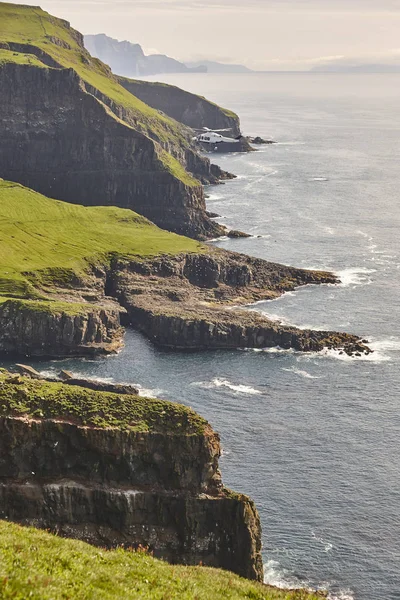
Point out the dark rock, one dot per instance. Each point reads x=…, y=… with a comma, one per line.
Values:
x=234, y=233
x=100, y=386
x=212, y=215
x=259, y=140
x=206, y=284
x=31, y=332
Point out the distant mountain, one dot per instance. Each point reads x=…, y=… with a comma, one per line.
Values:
x=216, y=67
x=129, y=60
x=367, y=68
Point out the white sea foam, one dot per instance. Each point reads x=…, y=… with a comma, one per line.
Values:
x=355, y=276
x=212, y=197
x=149, y=392
x=275, y=575
x=301, y=372
x=273, y=350
x=218, y=382
x=278, y=577
x=341, y=595
x=319, y=179
x=376, y=357
x=329, y=230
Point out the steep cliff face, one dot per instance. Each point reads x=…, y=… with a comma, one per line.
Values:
x=152, y=480
x=216, y=531
x=190, y=109
x=34, y=328
x=58, y=139
x=69, y=129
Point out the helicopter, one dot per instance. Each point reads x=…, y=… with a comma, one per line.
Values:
x=212, y=140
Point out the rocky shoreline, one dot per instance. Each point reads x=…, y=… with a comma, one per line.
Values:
x=187, y=301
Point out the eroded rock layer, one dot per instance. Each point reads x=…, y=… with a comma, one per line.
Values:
x=119, y=470
x=183, y=303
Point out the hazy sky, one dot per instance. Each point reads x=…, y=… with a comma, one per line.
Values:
x=264, y=34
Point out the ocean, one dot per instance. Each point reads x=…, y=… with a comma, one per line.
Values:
x=314, y=439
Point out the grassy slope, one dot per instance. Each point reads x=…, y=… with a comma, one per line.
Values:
x=158, y=84
x=7, y=56
x=46, y=400
x=32, y=25
x=35, y=564
x=38, y=234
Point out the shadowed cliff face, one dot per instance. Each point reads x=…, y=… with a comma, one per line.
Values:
x=70, y=130
x=151, y=481
x=187, y=108
x=58, y=139
x=28, y=328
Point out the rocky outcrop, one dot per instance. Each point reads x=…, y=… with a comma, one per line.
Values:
x=153, y=481
x=187, y=301
x=184, y=307
x=192, y=110
x=60, y=140
x=40, y=329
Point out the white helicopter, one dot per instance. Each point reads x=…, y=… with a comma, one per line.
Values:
x=213, y=141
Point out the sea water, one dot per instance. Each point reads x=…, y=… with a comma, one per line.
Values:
x=313, y=438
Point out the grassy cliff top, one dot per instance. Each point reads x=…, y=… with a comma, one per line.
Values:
x=35, y=564
x=33, y=26
x=19, y=58
x=49, y=239
x=85, y=407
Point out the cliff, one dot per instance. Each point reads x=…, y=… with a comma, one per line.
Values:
x=63, y=296
x=121, y=471
x=190, y=109
x=192, y=302
x=126, y=58
x=70, y=130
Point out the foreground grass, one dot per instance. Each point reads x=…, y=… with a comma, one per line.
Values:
x=47, y=400
x=31, y=25
x=35, y=564
x=48, y=241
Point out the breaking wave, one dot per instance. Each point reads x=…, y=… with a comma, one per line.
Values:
x=355, y=276
x=218, y=382
x=277, y=576
x=301, y=372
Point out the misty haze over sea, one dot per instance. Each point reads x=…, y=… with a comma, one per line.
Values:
x=314, y=439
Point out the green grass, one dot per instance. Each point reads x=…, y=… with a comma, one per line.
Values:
x=7, y=56
x=31, y=25
x=47, y=400
x=35, y=564
x=46, y=242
